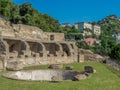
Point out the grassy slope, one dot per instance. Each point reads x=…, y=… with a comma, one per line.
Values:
x=103, y=79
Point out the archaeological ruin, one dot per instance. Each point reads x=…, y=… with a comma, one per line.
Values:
x=24, y=45
x=48, y=75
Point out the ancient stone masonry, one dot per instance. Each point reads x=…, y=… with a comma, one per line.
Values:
x=31, y=46
x=87, y=55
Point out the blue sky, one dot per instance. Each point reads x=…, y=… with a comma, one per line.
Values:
x=71, y=11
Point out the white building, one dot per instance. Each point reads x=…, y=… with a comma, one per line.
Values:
x=96, y=29
x=117, y=37
x=83, y=25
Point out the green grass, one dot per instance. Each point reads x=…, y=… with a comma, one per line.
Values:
x=105, y=78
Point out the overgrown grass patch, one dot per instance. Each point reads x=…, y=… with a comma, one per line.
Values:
x=103, y=79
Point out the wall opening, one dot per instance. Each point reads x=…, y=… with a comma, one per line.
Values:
x=66, y=49
x=52, y=37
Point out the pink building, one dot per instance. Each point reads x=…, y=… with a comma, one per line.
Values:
x=90, y=41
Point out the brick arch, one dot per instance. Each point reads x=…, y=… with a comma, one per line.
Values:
x=66, y=49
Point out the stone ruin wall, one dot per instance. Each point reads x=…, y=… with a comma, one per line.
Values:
x=32, y=46
x=87, y=55
x=5, y=28
x=55, y=36
x=28, y=32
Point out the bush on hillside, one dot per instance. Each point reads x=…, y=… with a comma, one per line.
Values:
x=115, y=52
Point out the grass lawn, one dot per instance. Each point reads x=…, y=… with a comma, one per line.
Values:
x=105, y=78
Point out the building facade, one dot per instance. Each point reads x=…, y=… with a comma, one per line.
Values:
x=90, y=41
x=96, y=29
x=82, y=26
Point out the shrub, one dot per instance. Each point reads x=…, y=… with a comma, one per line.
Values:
x=115, y=52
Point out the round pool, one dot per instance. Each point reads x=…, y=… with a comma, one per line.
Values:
x=42, y=75
x=47, y=75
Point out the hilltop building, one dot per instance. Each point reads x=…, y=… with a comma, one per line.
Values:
x=117, y=37
x=88, y=28
x=92, y=41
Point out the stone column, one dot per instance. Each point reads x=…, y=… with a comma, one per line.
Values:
x=5, y=56
x=44, y=52
x=70, y=49
x=27, y=50
x=60, y=52
x=74, y=52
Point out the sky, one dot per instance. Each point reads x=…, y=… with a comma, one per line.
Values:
x=72, y=11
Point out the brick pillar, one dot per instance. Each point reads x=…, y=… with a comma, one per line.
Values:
x=27, y=50
x=60, y=52
x=44, y=51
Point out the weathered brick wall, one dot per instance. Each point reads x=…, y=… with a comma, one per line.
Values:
x=57, y=36
x=6, y=29
x=90, y=56
x=29, y=32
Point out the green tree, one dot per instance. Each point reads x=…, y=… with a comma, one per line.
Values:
x=115, y=52
x=5, y=6
x=15, y=17
x=107, y=42
x=26, y=8
x=83, y=45
x=73, y=30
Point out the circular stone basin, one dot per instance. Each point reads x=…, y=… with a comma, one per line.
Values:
x=42, y=75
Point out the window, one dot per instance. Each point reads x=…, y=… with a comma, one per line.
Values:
x=51, y=37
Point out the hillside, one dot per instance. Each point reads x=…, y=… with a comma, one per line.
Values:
x=110, y=25
x=26, y=14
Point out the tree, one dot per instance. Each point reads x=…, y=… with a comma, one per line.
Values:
x=5, y=6
x=26, y=8
x=15, y=17
x=107, y=42
x=115, y=52
x=73, y=30
x=82, y=44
